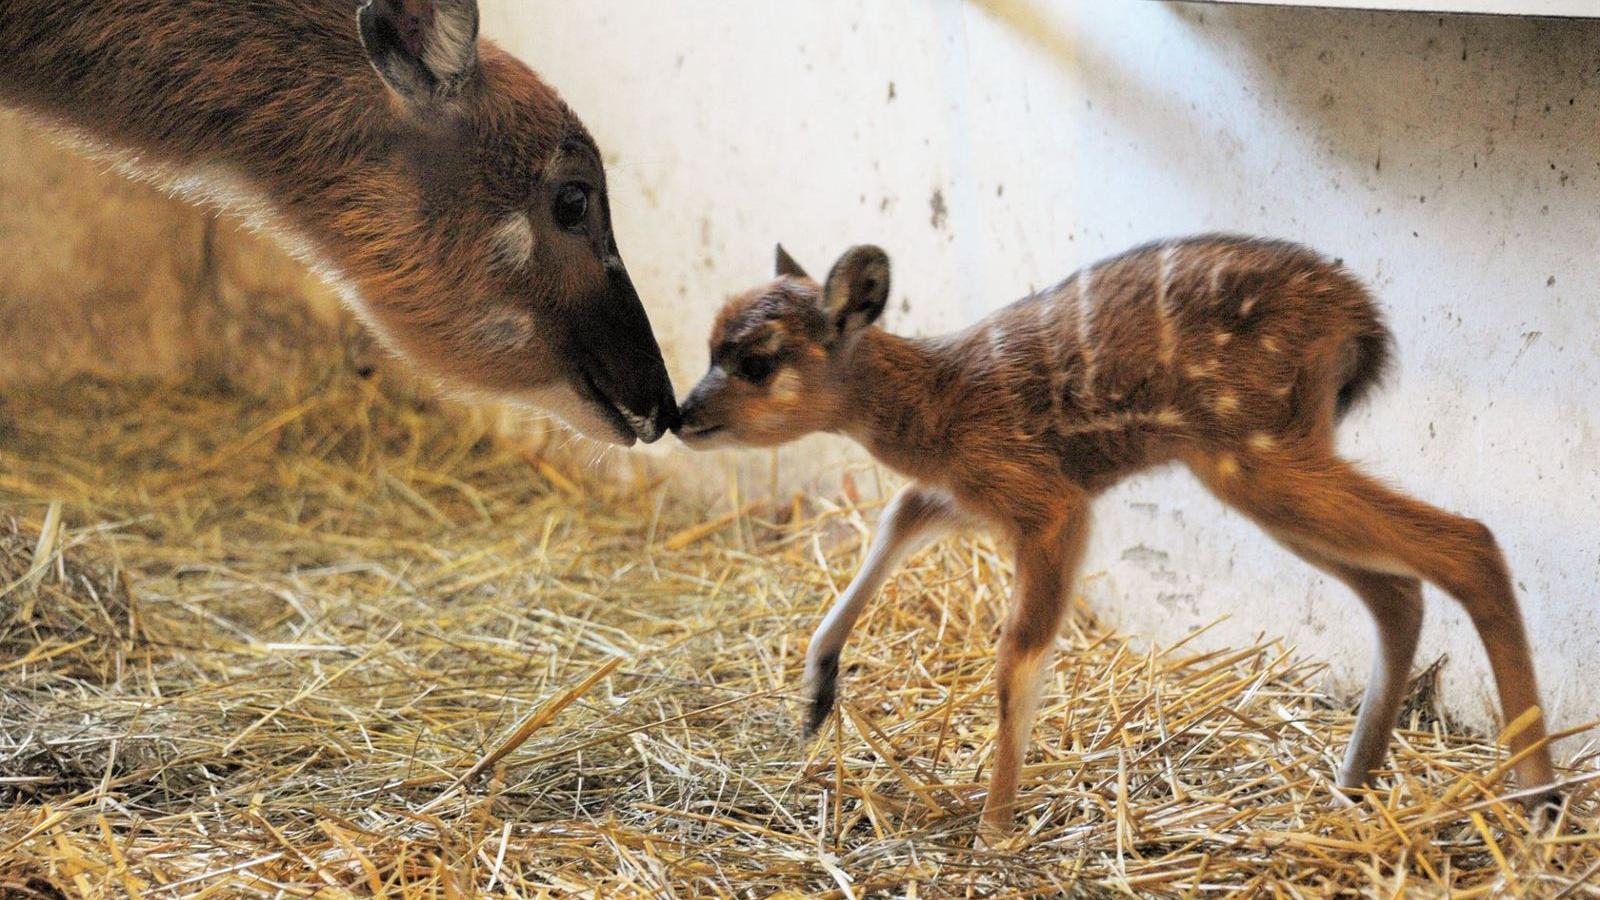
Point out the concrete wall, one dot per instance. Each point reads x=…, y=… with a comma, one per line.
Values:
x=995, y=146
x=1573, y=8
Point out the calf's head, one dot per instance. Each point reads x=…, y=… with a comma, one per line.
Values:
x=780, y=353
x=476, y=230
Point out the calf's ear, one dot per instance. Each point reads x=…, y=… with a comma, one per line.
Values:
x=856, y=292
x=787, y=267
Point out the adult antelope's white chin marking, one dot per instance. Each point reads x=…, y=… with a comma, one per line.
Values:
x=640, y=424
x=579, y=412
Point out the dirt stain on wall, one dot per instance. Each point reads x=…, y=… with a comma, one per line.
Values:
x=940, y=212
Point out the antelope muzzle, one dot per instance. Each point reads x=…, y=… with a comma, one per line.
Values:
x=621, y=362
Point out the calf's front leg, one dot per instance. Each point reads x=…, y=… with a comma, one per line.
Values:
x=1047, y=559
x=915, y=516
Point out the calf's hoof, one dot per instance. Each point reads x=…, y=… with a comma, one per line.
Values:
x=822, y=682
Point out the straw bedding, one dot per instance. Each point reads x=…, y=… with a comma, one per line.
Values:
x=343, y=642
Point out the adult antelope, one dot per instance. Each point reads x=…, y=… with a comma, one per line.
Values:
x=1233, y=356
x=452, y=197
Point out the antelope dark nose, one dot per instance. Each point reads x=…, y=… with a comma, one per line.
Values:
x=669, y=419
x=626, y=363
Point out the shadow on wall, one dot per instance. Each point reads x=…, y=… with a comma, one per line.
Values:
x=1488, y=101
x=102, y=275
x=1030, y=21
x=1440, y=78
x=1147, y=111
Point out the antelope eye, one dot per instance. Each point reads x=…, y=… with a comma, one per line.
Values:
x=756, y=368
x=571, y=205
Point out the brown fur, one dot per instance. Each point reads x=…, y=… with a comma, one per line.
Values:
x=393, y=184
x=1233, y=356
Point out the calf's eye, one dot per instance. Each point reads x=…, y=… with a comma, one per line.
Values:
x=756, y=368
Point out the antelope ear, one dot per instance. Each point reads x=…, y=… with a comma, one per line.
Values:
x=426, y=50
x=856, y=291
x=786, y=266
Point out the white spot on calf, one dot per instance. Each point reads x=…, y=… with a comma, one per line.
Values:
x=1169, y=339
x=1162, y=418
x=1086, y=330
x=786, y=385
x=1261, y=442
x=997, y=341
x=1216, y=280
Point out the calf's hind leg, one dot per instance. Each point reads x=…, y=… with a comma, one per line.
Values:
x=1320, y=502
x=1395, y=602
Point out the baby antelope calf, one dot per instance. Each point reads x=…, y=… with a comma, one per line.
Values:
x=1230, y=355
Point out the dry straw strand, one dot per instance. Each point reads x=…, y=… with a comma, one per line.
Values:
x=343, y=641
